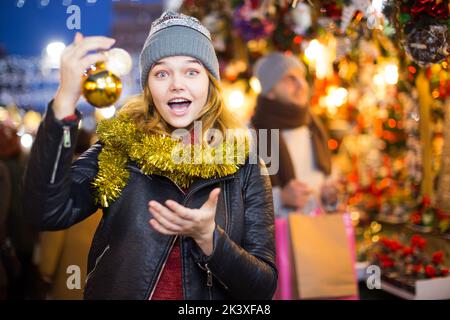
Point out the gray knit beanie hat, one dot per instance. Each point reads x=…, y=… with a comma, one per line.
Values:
x=271, y=68
x=175, y=34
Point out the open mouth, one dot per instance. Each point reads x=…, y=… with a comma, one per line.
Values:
x=179, y=106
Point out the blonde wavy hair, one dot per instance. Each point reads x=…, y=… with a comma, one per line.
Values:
x=214, y=115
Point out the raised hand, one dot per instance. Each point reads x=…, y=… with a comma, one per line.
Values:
x=175, y=219
x=74, y=60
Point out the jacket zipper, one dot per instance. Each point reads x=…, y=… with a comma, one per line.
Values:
x=209, y=278
x=65, y=141
x=162, y=268
x=225, y=199
x=209, y=281
x=209, y=274
x=97, y=261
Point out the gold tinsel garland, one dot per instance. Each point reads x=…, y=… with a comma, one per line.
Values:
x=158, y=154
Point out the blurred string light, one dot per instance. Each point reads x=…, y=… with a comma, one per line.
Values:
x=255, y=85
x=388, y=74
x=378, y=5
x=31, y=121
x=20, y=3
x=235, y=99
x=26, y=140
x=106, y=113
x=3, y=114
x=391, y=74
x=375, y=17
x=319, y=57
x=172, y=5
x=313, y=50
x=378, y=80
x=335, y=98
x=53, y=54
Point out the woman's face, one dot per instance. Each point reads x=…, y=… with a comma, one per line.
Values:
x=179, y=88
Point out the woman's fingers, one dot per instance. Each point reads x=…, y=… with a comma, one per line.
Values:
x=92, y=59
x=78, y=38
x=158, y=227
x=91, y=43
x=181, y=211
x=165, y=222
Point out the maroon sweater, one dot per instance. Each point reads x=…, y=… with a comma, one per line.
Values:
x=169, y=286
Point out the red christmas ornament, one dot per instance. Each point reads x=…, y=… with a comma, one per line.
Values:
x=407, y=251
x=426, y=201
x=332, y=11
x=432, y=8
x=430, y=271
x=417, y=268
x=418, y=242
x=438, y=257
x=254, y=4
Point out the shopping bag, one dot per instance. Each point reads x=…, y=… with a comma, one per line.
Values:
x=323, y=256
x=283, y=259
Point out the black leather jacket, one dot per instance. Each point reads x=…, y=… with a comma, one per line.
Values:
x=127, y=255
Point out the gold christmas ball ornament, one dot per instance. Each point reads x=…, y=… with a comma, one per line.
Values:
x=101, y=88
x=101, y=83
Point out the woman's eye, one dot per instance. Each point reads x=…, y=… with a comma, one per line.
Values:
x=192, y=72
x=161, y=74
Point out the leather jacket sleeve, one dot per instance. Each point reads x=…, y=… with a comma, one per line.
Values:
x=58, y=195
x=248, y=272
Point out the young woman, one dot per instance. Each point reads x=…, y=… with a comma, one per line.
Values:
x=171, y=229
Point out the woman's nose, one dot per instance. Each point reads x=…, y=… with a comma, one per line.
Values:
x=177, y=83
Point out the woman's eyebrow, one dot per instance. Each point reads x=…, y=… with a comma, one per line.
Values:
x=193, y=61
x=158, y=63
x=186, y=62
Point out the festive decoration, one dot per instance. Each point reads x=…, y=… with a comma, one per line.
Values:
x=251, y=22
x=396, y=205
x=408, y=263
x=428, y=44
x=301, y=15
x=101, y=83
x=349, y=11
x=101, y=88
x=424, y=218
x=161, y=155
x=433, y=8
x=443, y=194
x=393, y=133
x=423, y=26
x=216, y=24
x=375, y=17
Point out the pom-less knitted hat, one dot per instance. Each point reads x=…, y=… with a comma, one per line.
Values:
x=272, y=67
x=175, y=34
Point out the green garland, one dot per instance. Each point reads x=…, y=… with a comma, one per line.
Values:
x=158, y=154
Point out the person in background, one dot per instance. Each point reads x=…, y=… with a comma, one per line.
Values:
x=17, y=235
x=304, y=158
x=5, y=256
